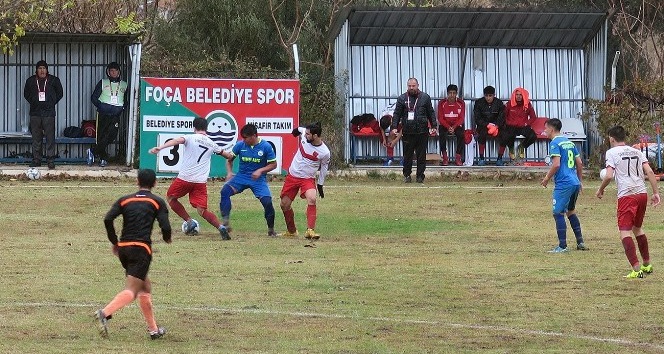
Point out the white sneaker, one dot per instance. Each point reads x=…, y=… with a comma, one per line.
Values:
x=90, y=158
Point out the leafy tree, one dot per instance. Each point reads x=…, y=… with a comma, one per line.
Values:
x=16, y=16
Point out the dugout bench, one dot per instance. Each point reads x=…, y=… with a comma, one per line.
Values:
x=368, y=147
x=13, y=143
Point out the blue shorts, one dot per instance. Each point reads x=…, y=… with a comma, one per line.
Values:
x=241, y=182
x=564, y=198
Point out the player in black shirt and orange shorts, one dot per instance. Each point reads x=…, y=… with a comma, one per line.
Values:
x=134, y=249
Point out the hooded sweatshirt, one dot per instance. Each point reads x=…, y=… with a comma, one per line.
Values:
x=117, y=87
x=519, y=114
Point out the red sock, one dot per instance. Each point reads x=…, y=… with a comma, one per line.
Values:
x=311, y=216
x=289, y=216
x=482, y=149
x=145, y=303
x=630, y=251
x=642, y=241
x=501, y=151
x=211, y=218
x=122, y=299
x=177, y=207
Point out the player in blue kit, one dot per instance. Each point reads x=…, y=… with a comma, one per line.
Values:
x=257, y=158
x=567, y=171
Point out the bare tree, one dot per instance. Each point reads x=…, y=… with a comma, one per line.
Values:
x=289, y=33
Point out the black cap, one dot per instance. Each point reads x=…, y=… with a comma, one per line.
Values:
x=41, y=63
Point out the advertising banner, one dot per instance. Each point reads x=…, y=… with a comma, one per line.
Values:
x=169, y=105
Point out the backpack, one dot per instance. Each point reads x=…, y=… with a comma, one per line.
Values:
x=73, y=132
x=89, y=128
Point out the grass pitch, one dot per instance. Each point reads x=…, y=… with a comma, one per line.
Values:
x=441, y=268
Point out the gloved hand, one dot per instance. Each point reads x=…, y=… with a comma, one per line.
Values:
x=320, y=190
x=296, y=132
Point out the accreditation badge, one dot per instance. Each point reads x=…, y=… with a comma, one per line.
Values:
x=42, y=96
x=114, y=100
x=411, y=115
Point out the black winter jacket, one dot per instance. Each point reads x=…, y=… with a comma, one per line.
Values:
x=485, y=113
x=53, y=95
x=424, y=114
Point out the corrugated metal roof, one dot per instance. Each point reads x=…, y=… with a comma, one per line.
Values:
x=57, y=37
x=482, y=27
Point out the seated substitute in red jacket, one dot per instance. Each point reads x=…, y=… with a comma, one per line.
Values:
x=451, y=114
x=519, y=116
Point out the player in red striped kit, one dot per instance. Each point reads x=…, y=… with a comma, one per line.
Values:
x=312, y=156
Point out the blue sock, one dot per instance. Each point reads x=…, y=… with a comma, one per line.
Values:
x=269, y=211
x=576, y=227
x=561, y=229
x=225, y=203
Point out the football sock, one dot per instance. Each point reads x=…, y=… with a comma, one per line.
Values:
x=178, y=208
x=225, y=202
x=501, y=152
x=122, y=299
x=145, y=303
x=289, y=217
x=269, y=211
x=211, y=218
x=642, y=241
x=482, y=149
x=311, y=216
x=561, y=230
x=576, y=227
x=630, y=251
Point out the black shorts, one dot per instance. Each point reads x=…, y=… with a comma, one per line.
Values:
x=135, y=260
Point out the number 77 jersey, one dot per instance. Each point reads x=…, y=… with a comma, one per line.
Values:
x=562, y=147
x=628, y=165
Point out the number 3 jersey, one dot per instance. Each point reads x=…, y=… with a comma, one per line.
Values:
x=309, y=159
x=628, y=165
x=198, y=149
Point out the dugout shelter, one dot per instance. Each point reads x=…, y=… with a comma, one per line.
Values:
x=79, y=60
x=558, y=56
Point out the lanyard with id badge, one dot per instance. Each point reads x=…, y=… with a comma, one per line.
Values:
x=411, y=112
x=114, y=96
x=42, y=94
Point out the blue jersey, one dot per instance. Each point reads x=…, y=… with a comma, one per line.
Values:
x=253, y=157
x=565, y=149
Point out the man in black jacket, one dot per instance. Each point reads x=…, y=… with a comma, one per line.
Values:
x=414, y=113
x=42, y=91
x=487, y=110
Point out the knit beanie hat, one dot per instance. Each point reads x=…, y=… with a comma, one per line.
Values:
x=113, y=65
x=41, y=63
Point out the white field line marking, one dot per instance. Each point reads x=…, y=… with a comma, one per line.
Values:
x=487, y=328
x=278, y=186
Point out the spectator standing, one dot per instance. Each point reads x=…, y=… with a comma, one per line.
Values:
x=451, y=114
x=487, y=110
x=519, y=117
x=311, y=157
x=193, y=175
x=414, y=112
x=257, y=158
x=629, y=167
x=567, y=173
x=134, y=249
x=42, y=91
x=111, y=99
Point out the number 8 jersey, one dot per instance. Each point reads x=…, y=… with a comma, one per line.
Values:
x=628, y=165
x=565, y=149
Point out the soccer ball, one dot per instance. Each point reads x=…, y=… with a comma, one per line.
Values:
x=33, y=173
x=602, y=174
x=196, y=230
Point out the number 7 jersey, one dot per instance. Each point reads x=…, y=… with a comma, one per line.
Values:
x=198, y=150
x=628, y=165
